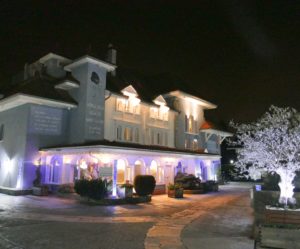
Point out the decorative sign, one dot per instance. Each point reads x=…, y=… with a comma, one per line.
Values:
x=106, y=171
x=95, y=78
x=94, y=119
x=45, y=120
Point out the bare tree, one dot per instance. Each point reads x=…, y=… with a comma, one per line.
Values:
x=271, y=144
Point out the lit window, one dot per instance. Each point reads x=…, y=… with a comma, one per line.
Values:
x=153, y=112
x=128, y=174
x=139, y=168
x=153, y=168
x=160, y=174
x=128, y=134
x=191, y=124
x=120, y=104
x=120, y=172
x=166, y=116
x=186, y=143
x=195, y=144
x=53, y=176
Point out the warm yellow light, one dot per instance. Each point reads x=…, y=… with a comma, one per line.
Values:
x=67, y=160
x=83, y=165
x=105, y=160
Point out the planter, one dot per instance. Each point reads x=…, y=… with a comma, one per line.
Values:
x=193, y=191
x=125, y=192
x=175, y=193
x=280, y=228
x=211, y=186
x=40, y=191
x=274, y=237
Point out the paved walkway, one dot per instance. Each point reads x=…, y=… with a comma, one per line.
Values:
x=218, y=220
x=223, y=222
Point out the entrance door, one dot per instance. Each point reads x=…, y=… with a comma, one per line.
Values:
x=169, y=176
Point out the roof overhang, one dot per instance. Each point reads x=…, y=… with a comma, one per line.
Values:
x=182, y=95
x=89, y=59
x=54, y=56
x=67, y=85
x=127, y=150
x=22, y=99
x=221, y=134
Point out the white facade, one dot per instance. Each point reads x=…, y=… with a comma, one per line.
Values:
x=85, y=129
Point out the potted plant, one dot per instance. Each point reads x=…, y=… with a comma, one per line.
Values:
x=175, y=190
x=126, y=190
x=38, y=188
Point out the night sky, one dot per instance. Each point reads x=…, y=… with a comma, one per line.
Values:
x=241, y=55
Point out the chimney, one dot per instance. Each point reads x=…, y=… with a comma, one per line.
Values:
x=112, y=57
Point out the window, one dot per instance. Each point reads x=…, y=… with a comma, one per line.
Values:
x=130, y=105
x=121, y=171
x=160, y=174
x=186, y=125
x=119, y=132
x=128, y=134
x=190, y=124
x=166, y=138
x=53, y=176
x=120, y=104
x=195, y=144
x=158, y=138
x=153, y=112
x=166, y=116
x=1, y=132
x=186, y=143
x=161, y=113
x=152, y=137
x=136, y=135
x=153, y=169
x=128, y=174
x=139, y=168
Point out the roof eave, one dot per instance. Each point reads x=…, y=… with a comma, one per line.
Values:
x=89, y=59
x=21, y=99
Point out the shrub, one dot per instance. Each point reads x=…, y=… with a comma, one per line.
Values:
x=94, y=189
x=188, y=181
x=144, y=184
x=174, y=186
x=66, y=188
x=270, y=182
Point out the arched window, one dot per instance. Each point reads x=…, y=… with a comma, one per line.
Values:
x=153, y=168
x=160, y=174
x=121, y=165
x=139, y=168
x=54, y=170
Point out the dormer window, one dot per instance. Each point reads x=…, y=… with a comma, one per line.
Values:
x=161, y=112
x=131, y=104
